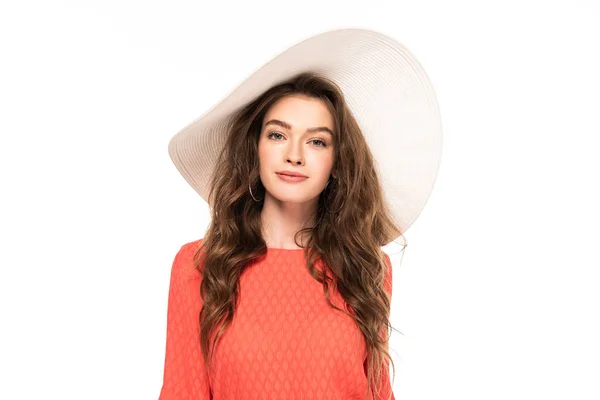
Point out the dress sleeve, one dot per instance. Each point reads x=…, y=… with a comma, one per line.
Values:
x=184, y=372
x=385, y=385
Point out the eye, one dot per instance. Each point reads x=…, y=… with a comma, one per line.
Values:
x=323, y=144
x=274, y=133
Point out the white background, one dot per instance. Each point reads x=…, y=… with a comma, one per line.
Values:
x=497, y=294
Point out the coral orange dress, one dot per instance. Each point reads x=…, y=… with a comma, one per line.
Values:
x=285, y=341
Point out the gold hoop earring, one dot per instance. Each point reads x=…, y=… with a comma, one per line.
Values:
x=254, y=198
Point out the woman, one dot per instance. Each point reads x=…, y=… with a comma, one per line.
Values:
x=288, y=293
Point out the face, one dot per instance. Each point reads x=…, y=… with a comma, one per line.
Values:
x=296, y=136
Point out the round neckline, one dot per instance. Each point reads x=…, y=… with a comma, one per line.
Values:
x=281, y=249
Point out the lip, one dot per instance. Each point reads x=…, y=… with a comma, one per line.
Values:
x=292, y=173
x=288, y=178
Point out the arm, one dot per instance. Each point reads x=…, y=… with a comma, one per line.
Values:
x=184, y=373
x=385, y=385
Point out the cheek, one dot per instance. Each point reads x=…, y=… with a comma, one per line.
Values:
x=265, y=157
x=262, y=154
x=323, y=162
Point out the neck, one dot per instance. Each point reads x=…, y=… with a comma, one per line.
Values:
x=281, y=220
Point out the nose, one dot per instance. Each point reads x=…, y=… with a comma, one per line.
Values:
x=294, y=155
x=295, y=161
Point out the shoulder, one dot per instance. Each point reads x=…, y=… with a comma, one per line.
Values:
x=183, y=264
x=387, y=259
x=388, y=282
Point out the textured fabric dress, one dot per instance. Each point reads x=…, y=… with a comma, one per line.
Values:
x=285, y=341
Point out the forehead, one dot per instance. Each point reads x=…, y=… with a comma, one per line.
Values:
x=300, y=110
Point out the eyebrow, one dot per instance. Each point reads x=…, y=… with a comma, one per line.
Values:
x=289, y=126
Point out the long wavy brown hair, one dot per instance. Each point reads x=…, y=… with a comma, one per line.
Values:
x=347, y=236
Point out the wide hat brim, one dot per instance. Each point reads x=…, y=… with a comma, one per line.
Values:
x=385, y=87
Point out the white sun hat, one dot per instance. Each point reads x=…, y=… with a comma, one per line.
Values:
x=387, y=90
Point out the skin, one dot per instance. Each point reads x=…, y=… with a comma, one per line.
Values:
x=288, y=206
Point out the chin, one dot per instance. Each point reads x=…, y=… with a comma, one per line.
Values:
x=290, y=199
x=289, y=196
